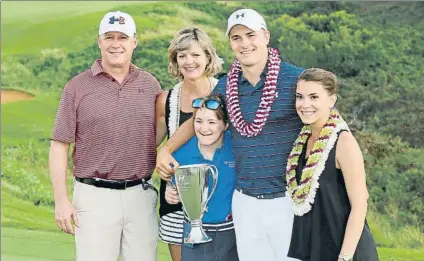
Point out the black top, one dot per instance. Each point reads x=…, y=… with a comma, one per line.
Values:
x=318, y=235
x=165, y=207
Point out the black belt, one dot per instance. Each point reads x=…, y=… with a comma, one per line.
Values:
x=114, y=184
x=263, y=196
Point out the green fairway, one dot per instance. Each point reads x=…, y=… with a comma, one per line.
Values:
x=45, y=44
x=14, y=12
x=32, y=245
x=400, y=254
x=21, y=258
x=52, y=24
x=70, y=26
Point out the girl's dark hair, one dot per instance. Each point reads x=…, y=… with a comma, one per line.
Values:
x=221, y=111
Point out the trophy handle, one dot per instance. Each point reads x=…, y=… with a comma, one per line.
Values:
x=214, y=173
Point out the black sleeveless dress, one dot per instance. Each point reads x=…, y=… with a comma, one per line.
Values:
x=165, y=207
x=318, y=235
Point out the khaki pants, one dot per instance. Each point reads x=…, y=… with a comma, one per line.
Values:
x=115, y=222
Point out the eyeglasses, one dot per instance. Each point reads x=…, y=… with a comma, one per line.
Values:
x=211, y=104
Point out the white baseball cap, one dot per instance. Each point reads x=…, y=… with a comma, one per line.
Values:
x=247, y=17
x=117, y=22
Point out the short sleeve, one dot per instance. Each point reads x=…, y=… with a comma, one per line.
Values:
x=156, y=86
x=65, y=123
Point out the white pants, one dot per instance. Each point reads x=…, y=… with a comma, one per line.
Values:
x=115, y=222
x=263, y=227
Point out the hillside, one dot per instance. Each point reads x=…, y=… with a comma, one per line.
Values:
x=376, y=48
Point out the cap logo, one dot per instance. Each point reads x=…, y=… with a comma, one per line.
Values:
x=120, y=19
x=239, y=15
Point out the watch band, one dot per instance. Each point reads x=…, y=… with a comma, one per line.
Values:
x=346, y=257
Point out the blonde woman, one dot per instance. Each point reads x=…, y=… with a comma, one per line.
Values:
x=193, y=60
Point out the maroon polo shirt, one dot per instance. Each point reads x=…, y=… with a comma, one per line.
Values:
x=112, y=124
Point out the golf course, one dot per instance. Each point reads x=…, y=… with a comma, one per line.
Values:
x=376, y=48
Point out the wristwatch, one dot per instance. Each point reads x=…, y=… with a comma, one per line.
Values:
x=346, y=257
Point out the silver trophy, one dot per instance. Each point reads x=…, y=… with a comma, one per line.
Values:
x=193, y=188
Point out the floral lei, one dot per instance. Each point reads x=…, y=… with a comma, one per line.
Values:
x=303, y=194
x=269, y=94
x=175, y=103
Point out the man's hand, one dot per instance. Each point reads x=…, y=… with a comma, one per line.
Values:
x=65, y=214
x=166, y=164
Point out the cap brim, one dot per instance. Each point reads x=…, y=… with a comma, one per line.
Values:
x=253, y=28
x=130, y=34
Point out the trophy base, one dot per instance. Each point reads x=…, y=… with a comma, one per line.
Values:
x=197, y=235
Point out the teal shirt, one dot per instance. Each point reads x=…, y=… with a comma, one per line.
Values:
x=219, y=206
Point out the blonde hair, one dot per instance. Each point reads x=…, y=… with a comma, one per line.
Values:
x=183, y=40
x=327, y=79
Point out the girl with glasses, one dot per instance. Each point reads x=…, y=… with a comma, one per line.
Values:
x=211, y=145
x=193, y=60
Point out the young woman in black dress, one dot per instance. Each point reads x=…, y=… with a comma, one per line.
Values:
x=326, y=179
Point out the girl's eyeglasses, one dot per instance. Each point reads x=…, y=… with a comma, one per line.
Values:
x=211, y=104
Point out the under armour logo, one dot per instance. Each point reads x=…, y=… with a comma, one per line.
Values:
x=120, y=19
x=239, y=15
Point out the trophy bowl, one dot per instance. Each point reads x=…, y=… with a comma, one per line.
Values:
x=195, y=185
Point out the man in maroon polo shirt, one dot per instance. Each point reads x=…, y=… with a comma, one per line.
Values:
x=108, y=113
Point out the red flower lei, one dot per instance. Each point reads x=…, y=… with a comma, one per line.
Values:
x=269, y=93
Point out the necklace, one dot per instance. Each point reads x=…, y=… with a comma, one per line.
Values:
x=269, y=94
x=303, y=194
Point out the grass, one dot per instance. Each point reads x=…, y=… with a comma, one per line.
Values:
x=28, y=120
x=14, y=12
x=400, y=254
x=73, y=27
x=65, y=25
x=26, y=127
x=20, y=213
x=34, y=245
x=29, y=232
x=388, y=234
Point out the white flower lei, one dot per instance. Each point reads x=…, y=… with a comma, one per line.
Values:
x=302, y=194
x=175, y=103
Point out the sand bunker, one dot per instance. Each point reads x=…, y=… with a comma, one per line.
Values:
x=14, y=95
